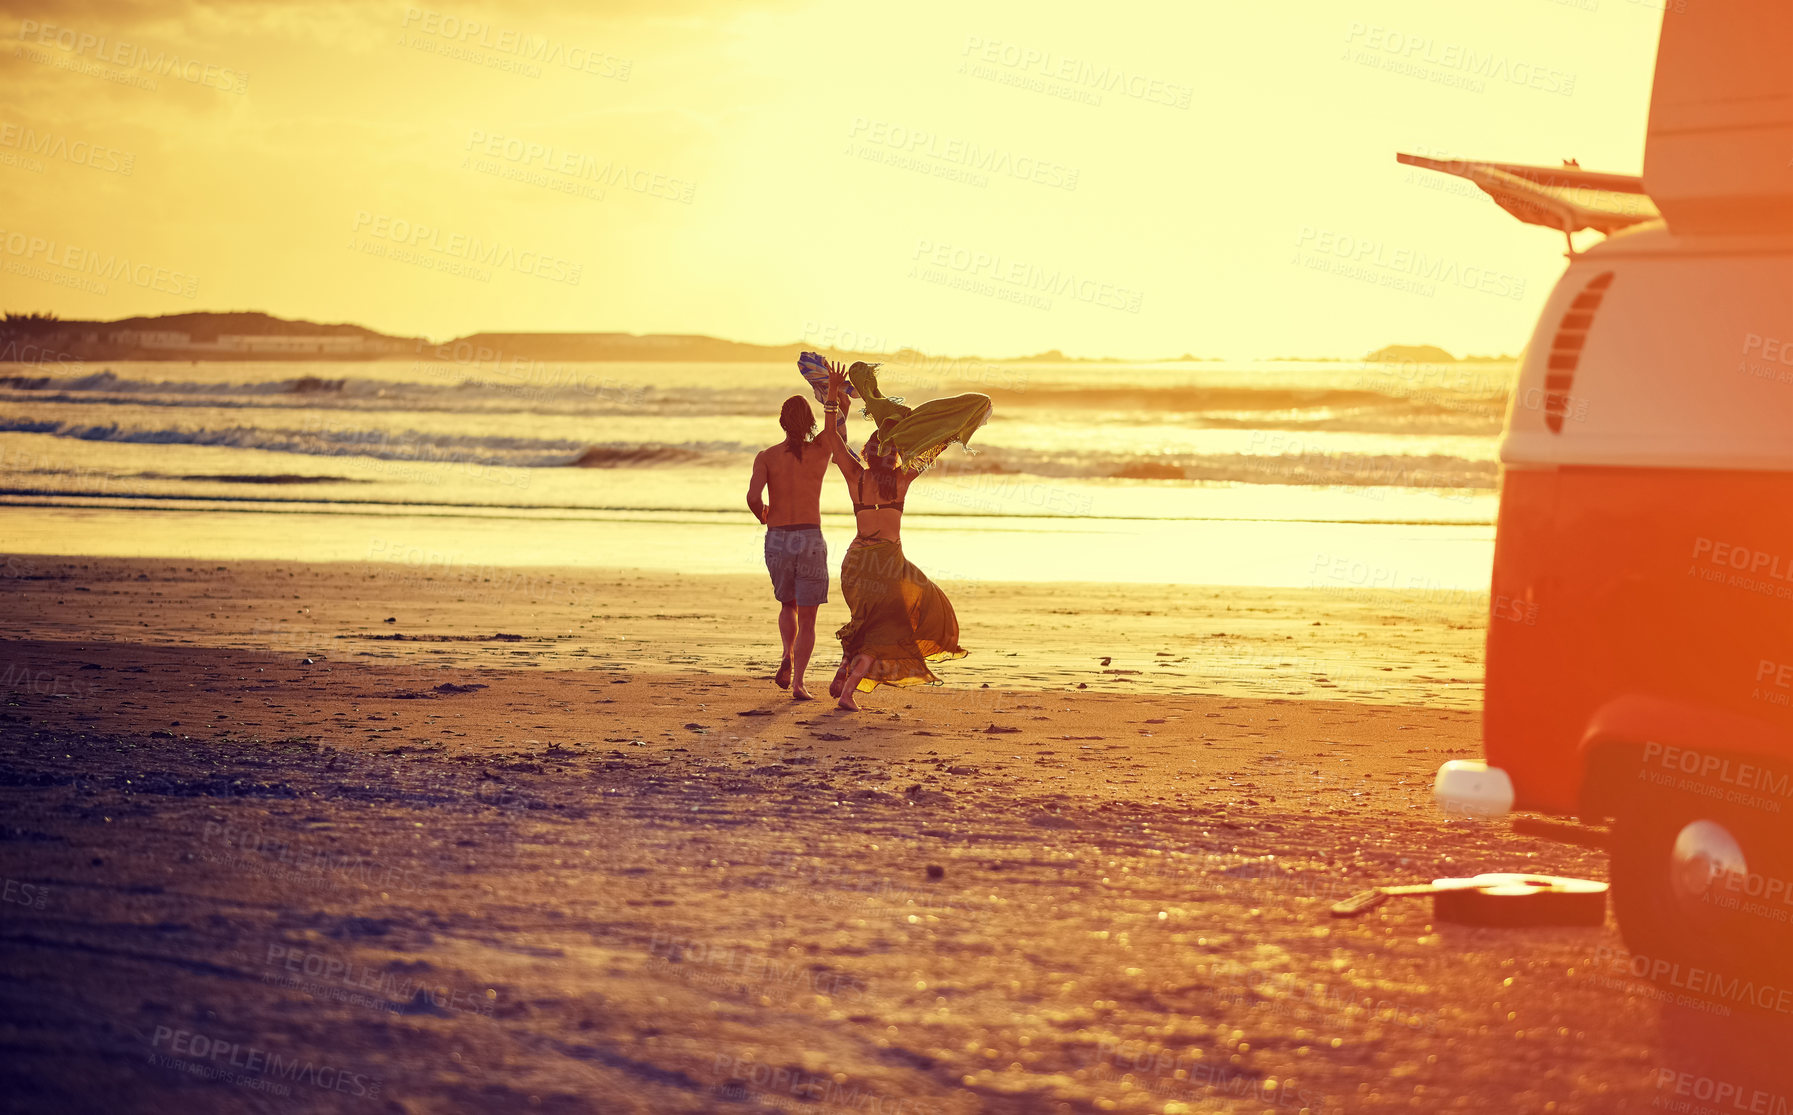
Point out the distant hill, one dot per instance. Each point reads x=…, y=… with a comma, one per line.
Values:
x=202, y=325
x=1411, y=354
x=239, y=335
x=1426, y=354
x=208, y=325
x=251, y=334
x=232, y=335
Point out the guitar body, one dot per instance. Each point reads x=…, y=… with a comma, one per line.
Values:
x=1500, y=899
x=1516, y=901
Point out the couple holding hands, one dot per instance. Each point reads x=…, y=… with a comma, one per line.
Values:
x=901, y=621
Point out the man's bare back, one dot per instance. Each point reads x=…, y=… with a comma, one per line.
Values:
x=795, y=483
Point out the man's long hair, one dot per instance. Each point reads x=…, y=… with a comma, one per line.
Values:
x=799, y=424
x=881, y=464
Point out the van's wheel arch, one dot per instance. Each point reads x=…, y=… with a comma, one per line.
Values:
x=1691, y=871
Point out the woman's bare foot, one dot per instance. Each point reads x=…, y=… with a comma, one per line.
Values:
x=840, y=676
x=783, y=676
x=861, y=666
x=799, y=693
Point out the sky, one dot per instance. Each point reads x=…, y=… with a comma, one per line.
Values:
x=1129, y=179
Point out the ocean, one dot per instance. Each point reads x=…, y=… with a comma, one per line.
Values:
x=1273, y=473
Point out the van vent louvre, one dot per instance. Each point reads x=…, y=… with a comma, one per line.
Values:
x=1565, y=349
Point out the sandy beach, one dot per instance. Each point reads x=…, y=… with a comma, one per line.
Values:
x=349, y=837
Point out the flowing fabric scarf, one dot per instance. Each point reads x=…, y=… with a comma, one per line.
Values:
x=919, y=434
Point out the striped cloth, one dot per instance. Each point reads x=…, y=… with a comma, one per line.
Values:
x=814, y=370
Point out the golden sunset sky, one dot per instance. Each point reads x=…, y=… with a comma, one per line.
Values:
x=1130, y=179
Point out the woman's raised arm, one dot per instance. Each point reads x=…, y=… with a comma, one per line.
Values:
x=831, y=430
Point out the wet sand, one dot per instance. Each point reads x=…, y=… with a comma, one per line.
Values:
x=551, y=841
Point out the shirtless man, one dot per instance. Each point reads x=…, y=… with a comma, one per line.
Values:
x=796, y=555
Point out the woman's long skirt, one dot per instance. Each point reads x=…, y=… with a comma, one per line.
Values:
x=900, y=618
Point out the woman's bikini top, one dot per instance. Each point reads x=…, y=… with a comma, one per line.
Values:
x=894, y=505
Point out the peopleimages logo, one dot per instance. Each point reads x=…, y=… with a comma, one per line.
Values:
x=742, y=1079
x=30, y=895
x=1757, y=562
x=1751, y=893
x=1724, y=1095
x=1769, y=348
x=1405, y=47
x=81, y=152
x=547, y=159
x=464, y=248
x=729, y=963
x=1024, y=276
x=342, y=980
x=1745, y=776
x=1192, y=1080
x=527, y=48
x=1713, y=987
x=85, y=261
x=114, y=52
x=190, y=1051
x=973, y=156
x=1366, y=252
x=1082, y=79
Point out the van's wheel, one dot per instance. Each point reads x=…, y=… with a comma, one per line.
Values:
x=1698, y=882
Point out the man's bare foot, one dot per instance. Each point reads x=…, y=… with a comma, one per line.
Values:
x=783, y=676
x=799, y=693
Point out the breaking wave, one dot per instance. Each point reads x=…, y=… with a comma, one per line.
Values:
x=1348, y=469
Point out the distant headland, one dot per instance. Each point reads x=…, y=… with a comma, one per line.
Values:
x=45, y=339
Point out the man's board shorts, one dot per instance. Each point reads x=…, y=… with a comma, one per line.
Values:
x=797, y=559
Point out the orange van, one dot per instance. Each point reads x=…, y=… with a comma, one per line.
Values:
x=1640, y=641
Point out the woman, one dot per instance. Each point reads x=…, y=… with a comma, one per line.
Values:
x=901, y=620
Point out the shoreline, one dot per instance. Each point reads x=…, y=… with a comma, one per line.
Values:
x=1451, y=561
